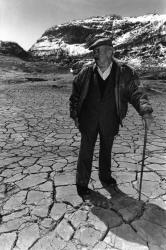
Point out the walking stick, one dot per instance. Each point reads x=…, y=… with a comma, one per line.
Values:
x=143, y=160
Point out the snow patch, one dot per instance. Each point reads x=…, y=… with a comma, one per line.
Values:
x=135, y=62
x=74, y=49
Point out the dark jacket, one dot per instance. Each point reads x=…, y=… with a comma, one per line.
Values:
x=128, y=89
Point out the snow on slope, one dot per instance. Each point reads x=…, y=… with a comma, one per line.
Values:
x=46, y=47
x=133, y=37
x=152, y=23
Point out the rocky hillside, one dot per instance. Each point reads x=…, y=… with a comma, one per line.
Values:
x=141, y=39
x=12, y=49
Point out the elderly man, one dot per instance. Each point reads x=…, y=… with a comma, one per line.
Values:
x=98, y=103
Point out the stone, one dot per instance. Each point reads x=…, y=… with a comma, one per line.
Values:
x=131, y=212
x=28, y=161
x=32, y=169
x=40, y=211
x=103, y=246
x=15, y=202
x=153, y=247
x=51, y=242
x=56, y=142
x=65, y=151
x=64, y=136
x=15, y=125
x=31, y=143
x=75, y=144
x=17, y=137
x=130, y=167
x=104, y=193
x=15, y=215
x=71, y=159
x=7, y=173
x=163, y=174
x=27, y=236
x=45, y=170
x=2, y=189
x=78, y=218
x=97, y=222
x=12, y=225
x=69, y=246
x=98, y=216
x=87, y=236
x=149, y=176
x=153, y=148
x=156, y=167
x=155, y=214
x=64, y=179
x=160, y=202
x=151, y=189
x=7, y=240
x=127, y=158
x=127, y=207
x=39, y=203
x=68, y=194
x=159, y=143
x=46, y=223
x=117, y=149
x=64, y=230
x=14, y=178
x=47, y=186
x=45, y=162
x=58, y=211
x=125, y=238
x=128, y=189
x=151, y=232
x=156, y=160
x=32, y=180
x=124, y=177
x=58, y=166
x=9, y=161
x=37, y=197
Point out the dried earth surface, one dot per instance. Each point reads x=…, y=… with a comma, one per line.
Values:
x=39, y=206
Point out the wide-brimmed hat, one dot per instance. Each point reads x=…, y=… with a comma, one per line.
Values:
x=98, y=41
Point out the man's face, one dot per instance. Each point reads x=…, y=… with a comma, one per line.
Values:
x=102, y=53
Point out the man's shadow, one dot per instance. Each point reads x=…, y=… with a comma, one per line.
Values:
x=130, y=220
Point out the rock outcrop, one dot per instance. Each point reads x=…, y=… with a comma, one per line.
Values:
x=12, y=49
x=139, y=39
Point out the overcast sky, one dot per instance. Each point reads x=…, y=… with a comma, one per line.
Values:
x=24, y=21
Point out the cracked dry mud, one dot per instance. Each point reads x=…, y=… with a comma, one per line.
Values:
x=40, y=208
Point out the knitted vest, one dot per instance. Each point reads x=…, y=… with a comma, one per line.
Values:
x=99, y=107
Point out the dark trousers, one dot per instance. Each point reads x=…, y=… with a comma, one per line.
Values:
x=85, y=158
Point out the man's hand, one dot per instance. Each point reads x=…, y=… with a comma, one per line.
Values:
x=147, y=119
x=76, y=123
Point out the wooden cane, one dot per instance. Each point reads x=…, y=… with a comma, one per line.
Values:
x=143, y=160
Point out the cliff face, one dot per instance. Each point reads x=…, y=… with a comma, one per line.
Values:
x=138, y=39
x=12, y=49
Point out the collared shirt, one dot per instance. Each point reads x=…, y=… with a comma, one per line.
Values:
x=106, y=73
